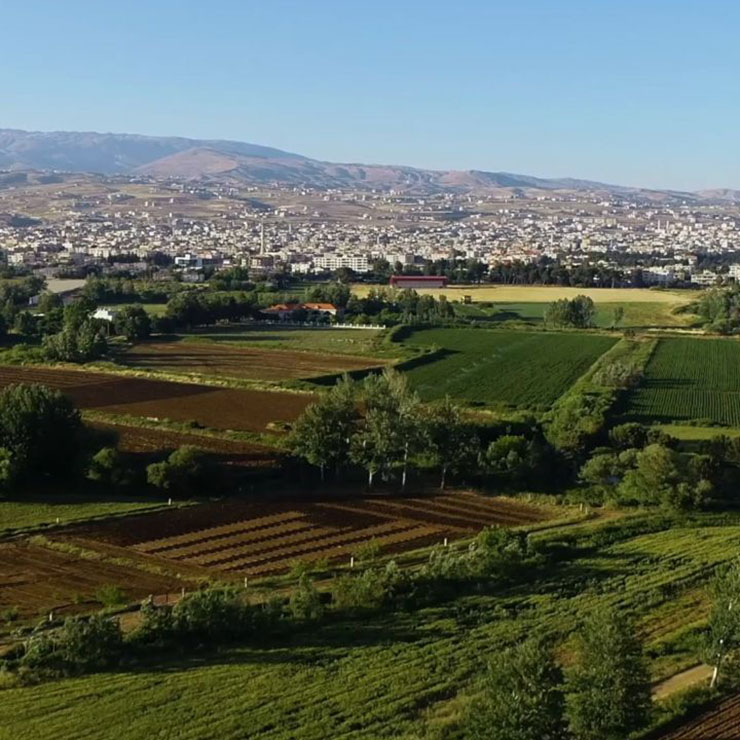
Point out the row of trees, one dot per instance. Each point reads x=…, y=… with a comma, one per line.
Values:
x=606, y=696
x=381, y=426
x=578, y=313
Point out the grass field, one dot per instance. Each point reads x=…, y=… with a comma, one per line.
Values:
x=527, y=369
x=548, y=293
x=690, y=379
x=637, y=314
x=36, y=510
x=396, y=675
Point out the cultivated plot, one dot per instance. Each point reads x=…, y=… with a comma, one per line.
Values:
x=253, y=363
x=526, y=369
x=690, y=379
x=220, y=408
x=261, y=538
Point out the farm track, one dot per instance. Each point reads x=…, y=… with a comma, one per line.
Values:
x=210, y=406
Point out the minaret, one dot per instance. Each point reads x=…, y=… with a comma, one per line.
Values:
x=262, y=237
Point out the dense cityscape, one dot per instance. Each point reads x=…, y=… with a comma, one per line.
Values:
x=95, y=224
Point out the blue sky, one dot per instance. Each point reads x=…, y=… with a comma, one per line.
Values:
x=632, y=92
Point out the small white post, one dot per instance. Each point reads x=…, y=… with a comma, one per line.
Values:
x=182, y=593
x=51, y=616
x=169, y=502
x=58, y=520
x=445, y=544
x=352, y=561
x=246, y=581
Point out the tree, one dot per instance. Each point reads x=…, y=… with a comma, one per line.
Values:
x=617, y=316
x=41, y=428
x=184, y=472
x=108, y=468
x=724, y=620
x=449, y=442
x=323, y=432
x=578, y=313
x=666, y=477
x=609, y=693
x=76, y=343
x=522, y=697
x=392, y=429
x=133, y=322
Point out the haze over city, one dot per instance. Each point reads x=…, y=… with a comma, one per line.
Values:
x=640, y=94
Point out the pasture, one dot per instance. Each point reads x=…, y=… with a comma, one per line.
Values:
x=523, y=369
x=547, y=293
x=637, y=314
x=210, y=406
x=688, y=379
x=249, y=362
x=401, y=674
x=34, y=510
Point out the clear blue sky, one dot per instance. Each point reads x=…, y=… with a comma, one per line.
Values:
x=641, y=92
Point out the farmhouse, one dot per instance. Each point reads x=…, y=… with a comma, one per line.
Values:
x=410, y=282
x=311, y=311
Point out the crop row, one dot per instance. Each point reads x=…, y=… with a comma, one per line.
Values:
x=516, y=368
x=690, y=379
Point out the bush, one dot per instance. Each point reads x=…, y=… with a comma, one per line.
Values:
x=80, y=646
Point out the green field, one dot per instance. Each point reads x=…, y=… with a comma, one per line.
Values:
x=396, y=675
x=526, y=369
x=688, y=379
x=340, y=341
x=636, y=315
x=37, y=510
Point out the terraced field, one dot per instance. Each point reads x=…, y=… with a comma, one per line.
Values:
x=220, y=408
x=524, y=369
x=690, y=379
x=262, y=538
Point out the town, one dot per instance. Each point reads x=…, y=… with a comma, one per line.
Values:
x=67, y=225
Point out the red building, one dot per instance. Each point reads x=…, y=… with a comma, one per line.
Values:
x=403, y=282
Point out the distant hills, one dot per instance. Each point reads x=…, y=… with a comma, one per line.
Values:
x=198, y=159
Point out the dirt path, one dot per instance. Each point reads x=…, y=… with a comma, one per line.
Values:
x=683, y=680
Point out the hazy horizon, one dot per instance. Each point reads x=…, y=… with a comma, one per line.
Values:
x=637, y=94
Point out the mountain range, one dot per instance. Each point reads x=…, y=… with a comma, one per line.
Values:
x=251, y=164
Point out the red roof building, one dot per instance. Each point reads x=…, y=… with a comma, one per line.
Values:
x=410, y=282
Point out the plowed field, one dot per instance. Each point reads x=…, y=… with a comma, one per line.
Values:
x=219, y=408
x=263, y=538
x=722, y=722
x=35, y=580
x=157, y=442
x=240, y=362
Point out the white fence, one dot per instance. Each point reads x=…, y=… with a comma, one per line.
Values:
x=317, y=325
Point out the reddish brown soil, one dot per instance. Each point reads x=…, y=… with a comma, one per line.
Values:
x=156, y=443
x=219, y=408
x=35, y=580
x=721, y=722
x=259, y=537
x=240, y=362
